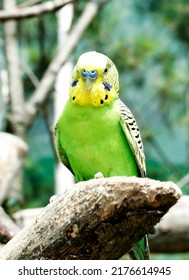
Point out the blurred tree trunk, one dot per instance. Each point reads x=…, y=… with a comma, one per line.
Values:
x=63, y=176
x=15, y=83
x=16, y=116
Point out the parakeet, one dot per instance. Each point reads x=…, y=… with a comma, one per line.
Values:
x=96, y=132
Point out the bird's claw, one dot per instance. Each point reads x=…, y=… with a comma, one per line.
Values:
x=98, y=175
x=54, y=197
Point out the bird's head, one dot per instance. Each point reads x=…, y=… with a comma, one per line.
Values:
x=95, y=80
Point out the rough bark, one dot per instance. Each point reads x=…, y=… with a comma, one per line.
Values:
x=97, y=219
x=173, y=231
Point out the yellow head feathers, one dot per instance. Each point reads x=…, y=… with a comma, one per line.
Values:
x=95, y=80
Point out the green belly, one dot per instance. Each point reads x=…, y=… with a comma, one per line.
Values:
x=95, y=142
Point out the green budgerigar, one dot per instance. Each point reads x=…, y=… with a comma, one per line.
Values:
x=96, y=132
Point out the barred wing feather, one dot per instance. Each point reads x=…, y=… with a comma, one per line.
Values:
x=132, y=133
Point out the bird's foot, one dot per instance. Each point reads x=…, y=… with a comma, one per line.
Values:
x=54, y=197
x=98, y=175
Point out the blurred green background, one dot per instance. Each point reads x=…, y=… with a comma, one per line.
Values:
x=148, y=41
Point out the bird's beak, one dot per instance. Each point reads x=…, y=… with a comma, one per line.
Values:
x=88, y=84
x=88, y=78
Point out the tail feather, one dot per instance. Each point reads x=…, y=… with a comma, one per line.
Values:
x=140, y=251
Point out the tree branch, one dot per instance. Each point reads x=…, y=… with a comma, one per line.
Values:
x=47, y=82
x=96, y=219
x=27, y=12
x=172, y=233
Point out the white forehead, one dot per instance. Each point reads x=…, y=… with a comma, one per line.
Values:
x=92, y=59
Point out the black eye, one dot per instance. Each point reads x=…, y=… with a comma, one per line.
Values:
x=105, y=70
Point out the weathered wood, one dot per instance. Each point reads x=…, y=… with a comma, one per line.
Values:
x=96, y=219
x=173, y=231
x=8, y=228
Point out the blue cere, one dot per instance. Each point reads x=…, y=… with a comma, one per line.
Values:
x=93, y=74
x=84, y=73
